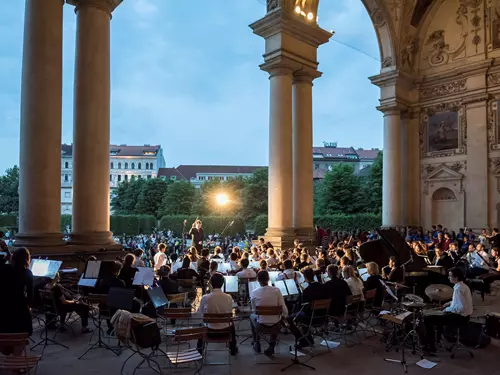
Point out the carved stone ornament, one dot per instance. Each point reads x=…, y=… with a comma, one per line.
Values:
x=439, y=49
x=444, y=89
x=272, y=5
x=387, y=62
x=395, y=8
x=475, y=20
x=409, y=51
x=494, y=163
x=494, y=79
x=377, y=17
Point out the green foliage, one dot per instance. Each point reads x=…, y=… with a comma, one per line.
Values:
x=151, y=196
x=65, y=220
x=260, y=225
x=339, y=191
x=8, y=221
x=342, y=222
x=178, y=199
x=125, y=197
x=147, y=223
x=372, y=189
x=127, y=224
x=211, y=224
x=9, y=191
x=255, y=194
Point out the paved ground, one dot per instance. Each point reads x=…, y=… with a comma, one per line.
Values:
x=367, y=358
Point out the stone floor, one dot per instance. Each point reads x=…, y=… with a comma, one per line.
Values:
x=367, y=358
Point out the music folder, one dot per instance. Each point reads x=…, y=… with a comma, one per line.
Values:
x=230, y=284
x=280, y=284
x=144, y=276
x=291, y=287
x=157, y=296
x=91, y=283
x=45, y=268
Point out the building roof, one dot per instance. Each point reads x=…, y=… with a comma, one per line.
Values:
x=188, y=172
x=120, y=150
x=334, y=152
x=367, y=154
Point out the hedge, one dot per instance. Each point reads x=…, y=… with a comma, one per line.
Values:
x=65, y=220
x=147, y=223
x=8, y=221
x=340, y=222
x=211, y=224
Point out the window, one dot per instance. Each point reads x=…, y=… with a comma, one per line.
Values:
x=201, y=178
x=139, y=177
x=139, y=166
x=126, y=177
x=150, y=165
x=119, y=165
x=119, y=177
x=132, y=166
x=132, y=177
x=67, y=194
x=126, y=165
x=173, y=178
x=112, y=166
x=66, y=178
x=209, y=177
x=147, y=165
x=149, y=177
x=66, y=165
x=110, y=178
x=149, y=153
x=316, y=166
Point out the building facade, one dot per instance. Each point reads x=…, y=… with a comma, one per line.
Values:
x=126, y=163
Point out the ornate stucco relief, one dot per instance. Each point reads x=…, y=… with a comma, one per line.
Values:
x=444, y=89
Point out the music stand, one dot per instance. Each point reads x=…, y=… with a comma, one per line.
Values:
x=144, y=276
x=45, y=268
x=280, y=284
x=157, y=297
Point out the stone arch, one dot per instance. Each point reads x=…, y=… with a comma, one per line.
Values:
x=446, y=209
x=444, y=194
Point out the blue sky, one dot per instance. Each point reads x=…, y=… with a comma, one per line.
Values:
x=185, y=75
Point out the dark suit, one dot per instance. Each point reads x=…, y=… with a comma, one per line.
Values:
x=396, y=275
x=197, y=237
x=373, y=282
x=338, y=291
x=444, y=261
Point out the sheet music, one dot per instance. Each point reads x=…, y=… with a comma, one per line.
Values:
x=91, y=283
x=231, y=284
x=92, y=269
x=282, y=287
x=223, y=267
x=291, y=287
x=252, y=285
x=254, y=264
x=273, y=276
x=45, y=268
x=144, y=276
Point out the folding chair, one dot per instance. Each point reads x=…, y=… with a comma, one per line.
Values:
x=51, y=317
x=218, y=336
x=177, y=299
x=17, y=363
x=318, y=321
x=349, y=321
x=268, y=330
x=190, y=355
x=368, y=313
x=177, y=315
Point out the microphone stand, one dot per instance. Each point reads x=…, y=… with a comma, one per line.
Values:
x=295, y=359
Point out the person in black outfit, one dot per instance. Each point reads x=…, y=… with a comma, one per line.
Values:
x=442, y=259
x=374, y=282
x=16, y=291
x=338, y=289
x=393, y=272
x=314, y=291
x=65, y=306
x=197, y=235
x=168, y=285
x=111, y=281
x=186, y=272
x=494, y=238
x=128, y=271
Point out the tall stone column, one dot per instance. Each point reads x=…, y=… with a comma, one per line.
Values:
x=411, y=170
x=91, y=133
x=280, y=207
x=41, y=108
x=302, y=155
x=392, y=183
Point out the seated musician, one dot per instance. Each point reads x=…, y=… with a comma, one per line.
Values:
x=302, y=262
x=139, y=253
x=353, y=281
x=193, y=254
x=349, y=253
x=214, y=266
x=255, y=257
x=483, y=282
x=272, y=260
x=324, y=255
x=168, y=285
x=338, y=291
x=111, y=281
x=288, y=273
x=217, y=253
x=477, y=261
x=454, y=252
x=246, y=273
x=455, y=312
x=393, y=272
x=263, y=265
x=186, y=272
x=217, y=302
x=204, y=256
x=233, y=261
x=320, y=268
x=65, y=306
x=373, y=282
x=314, y=291
x=268, y=296
x=344, y=261
x=236, y=250
x=442, y=259
x=281, y=261
x=128, y=272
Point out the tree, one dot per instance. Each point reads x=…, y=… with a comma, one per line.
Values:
x=151, y=196
x=9, y=191
x=178, y=200
x=373, y=186
x=339, y=191
x=255, y=194
x=125, y=197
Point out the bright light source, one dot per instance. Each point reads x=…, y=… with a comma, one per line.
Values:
x=221, y=199
x=297, y=9
x=310, y=16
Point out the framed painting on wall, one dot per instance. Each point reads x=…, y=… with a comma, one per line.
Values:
x=443, y=131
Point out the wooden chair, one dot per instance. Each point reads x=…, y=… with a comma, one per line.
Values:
x=264, y=330
x=178, y=299
x=190, y=355
x=349, y=321
x=17, y=363
x=177, y=316
x=218, y=336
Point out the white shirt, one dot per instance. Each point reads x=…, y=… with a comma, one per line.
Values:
x=139, y=263
x=356, y=286
x=217, y=302
x=289, y=275
x=268, y=296
x=272, y=261
x=233, y=264
x=160, y=260
x=462, y=300
x=246, y=273
x=475, y=260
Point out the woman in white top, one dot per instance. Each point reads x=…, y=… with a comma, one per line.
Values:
x=255, y=257
x=272, y=260
x=354, y=282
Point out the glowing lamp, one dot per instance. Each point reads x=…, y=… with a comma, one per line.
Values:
x=297, y=9
x=221, y=199
x=310, y=16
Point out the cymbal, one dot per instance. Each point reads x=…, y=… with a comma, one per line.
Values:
x=397, y=285
x=439, y=292
x=418, y=305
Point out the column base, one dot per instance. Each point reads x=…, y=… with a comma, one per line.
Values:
x=39, y=240
x=307, y=236
x=281, y=237
x=91, y=238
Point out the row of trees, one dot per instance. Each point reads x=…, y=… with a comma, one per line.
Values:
x=340, y=192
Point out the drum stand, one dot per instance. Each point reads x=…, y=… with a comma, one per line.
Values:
x=413, y=338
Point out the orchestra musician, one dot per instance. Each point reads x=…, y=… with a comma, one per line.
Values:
x=217, y=253
x=338, y=289
x=393, y=272
x=111, y=281
x=138, y=258
x=477, y=261
x=197, y=235
x=494, y=238
x=354, y=283
x=168, y=285
x=268, y=296
x=255, y=257
x=455, y=312
x=128, y=272
x=453, y=252
x=442, y=259
x=288, y=273
x=246, y=272
x=66, y=305
x=374, y=282
x=160, y=258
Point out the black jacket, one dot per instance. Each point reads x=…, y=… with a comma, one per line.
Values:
x=338, y=290
x=127, y=274
x=396, y=275
x=314, y=291
x=373, y=282
x=445, y=261
x=110, y=282
x=169, y=286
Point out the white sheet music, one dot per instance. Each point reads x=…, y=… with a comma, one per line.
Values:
x=291, y=287
x=273, y=275
x=280, y=284
x=231, y=284
x=252, y=285
x=92, y=270
x=223, y=267
x=144, y=276
x=91, y=283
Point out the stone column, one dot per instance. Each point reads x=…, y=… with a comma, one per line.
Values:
x=302, y=155
x=91, y=136
x=411, y=170
x=392, y=183
x=280, y=212
x=41, y=107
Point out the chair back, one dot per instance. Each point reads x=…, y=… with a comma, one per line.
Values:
x=217, y=318
x=269, y=310
x=321, y=304
x=319, y=312
x=100, y=300
x=189, y=334
x=352, y=304
x=185, y=283
x=14, y=339
x=177, y=312
x=179, y=298
x=370, y=298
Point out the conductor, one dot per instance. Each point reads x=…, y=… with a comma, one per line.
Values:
x=197, y=235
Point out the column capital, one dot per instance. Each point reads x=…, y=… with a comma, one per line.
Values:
x=106, y=5
x=306, y=76
x=390, y=109
x=279, y=71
